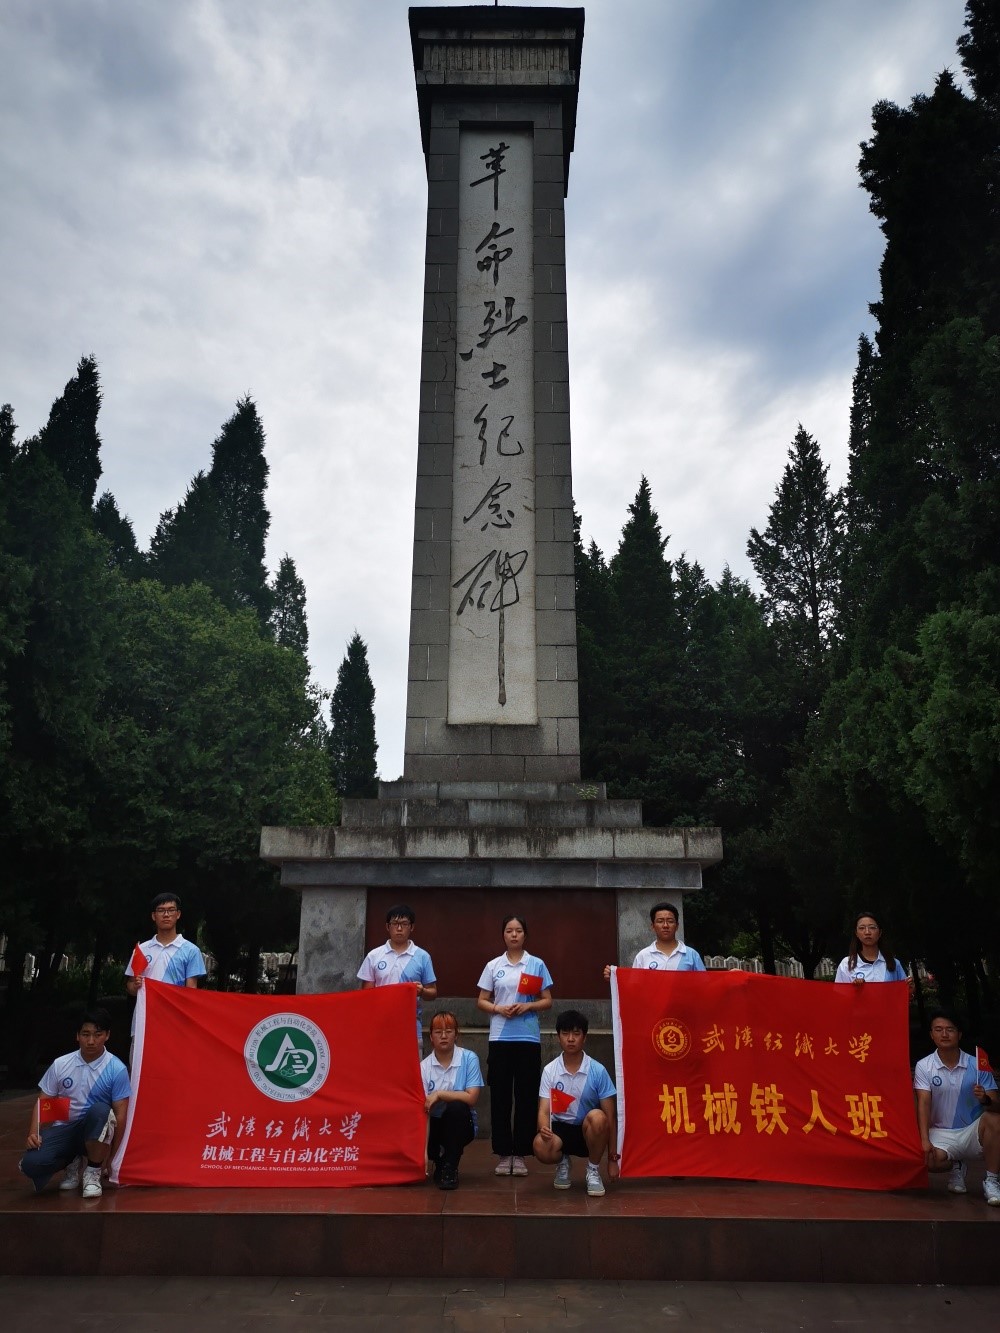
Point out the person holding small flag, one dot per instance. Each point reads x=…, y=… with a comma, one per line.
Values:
x=167, y=955
x=514, y=989
x=71, y=1119
x=953, y=1091
x=576, y=1109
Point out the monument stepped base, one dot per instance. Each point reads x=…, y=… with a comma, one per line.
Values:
x=678, y=1230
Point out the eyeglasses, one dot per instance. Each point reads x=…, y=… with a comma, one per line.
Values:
x=166, y=911
x=866, y=930
x=944, y=1032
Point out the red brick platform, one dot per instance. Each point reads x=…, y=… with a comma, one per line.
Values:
x=681, y=1230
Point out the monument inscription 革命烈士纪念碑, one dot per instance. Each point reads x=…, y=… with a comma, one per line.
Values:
x=492, y=668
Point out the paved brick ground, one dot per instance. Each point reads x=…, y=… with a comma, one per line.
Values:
x=148, y=1305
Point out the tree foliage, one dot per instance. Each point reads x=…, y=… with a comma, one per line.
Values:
x=352, y=725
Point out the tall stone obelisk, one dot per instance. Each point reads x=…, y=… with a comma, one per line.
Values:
x=492, y=676
x=490, y=815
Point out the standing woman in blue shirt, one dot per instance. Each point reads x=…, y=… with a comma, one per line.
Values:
x=869, y=958
x=514, y=989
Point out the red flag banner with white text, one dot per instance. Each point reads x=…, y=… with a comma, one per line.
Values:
x=293, y=1091
x=737, y=1075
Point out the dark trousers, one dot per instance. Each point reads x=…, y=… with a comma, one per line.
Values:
x=450, y=1132
x=514, y=1073
x=62, y=1143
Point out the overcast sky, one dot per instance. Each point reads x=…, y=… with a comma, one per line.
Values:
x=218, y=197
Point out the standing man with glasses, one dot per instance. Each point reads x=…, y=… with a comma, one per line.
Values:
x=399, y=960
x=953, y=1102
x=169, y=956
x=667, y=953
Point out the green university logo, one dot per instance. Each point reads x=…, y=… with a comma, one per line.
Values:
x=287, y=1057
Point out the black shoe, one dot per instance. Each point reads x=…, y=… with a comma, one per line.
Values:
x=448, y=1179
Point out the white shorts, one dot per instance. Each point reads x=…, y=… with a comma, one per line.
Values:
x=961, y=1145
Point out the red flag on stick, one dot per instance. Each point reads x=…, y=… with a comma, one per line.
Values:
x=983, y=1061
x=51, y=1109
x=529, y=984
x=138, y=962
x=560, y=1101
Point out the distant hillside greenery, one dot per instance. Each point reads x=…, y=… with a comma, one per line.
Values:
x=842, y=724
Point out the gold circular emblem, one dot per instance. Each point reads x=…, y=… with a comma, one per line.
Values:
x=671, y=1039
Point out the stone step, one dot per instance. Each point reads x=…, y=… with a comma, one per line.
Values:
x=422, y=812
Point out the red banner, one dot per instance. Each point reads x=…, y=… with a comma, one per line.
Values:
x=749, y=1077
x=305, y=1090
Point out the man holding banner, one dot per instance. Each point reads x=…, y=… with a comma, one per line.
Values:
x=576, y=1108
x=69, y=1124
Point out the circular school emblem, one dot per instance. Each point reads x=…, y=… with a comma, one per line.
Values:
x=287, y=1057
x=671, y=1039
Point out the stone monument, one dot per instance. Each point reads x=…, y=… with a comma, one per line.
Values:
x=491, y=815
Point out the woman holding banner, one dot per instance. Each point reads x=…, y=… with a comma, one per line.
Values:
x=514, y=989
x=868, y=958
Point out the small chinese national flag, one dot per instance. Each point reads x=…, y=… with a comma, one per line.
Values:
x=983, y=1060
x=51, y=1109
x=529, y=985
x=138, y=962
x=560, y=1101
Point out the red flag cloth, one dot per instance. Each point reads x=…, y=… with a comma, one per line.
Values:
x=983, y=1061
x=138, y=962
x=750, y=1077
x=51, y=1109
x=560, y=1101
x=289, y=1091
x=529, y=984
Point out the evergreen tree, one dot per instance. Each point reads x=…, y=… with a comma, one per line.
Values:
x=798, y=556
x=117, y=531
x=238, y=478
x=191, y=545
x=8, y=434
x=69, y=438
x=352, y=725
x=288, y=609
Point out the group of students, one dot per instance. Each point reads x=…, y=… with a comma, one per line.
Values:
x=563, y=1111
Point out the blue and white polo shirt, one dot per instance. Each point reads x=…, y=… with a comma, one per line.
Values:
x=501, y=978
x=385, y=966
x=683, y=959
x=953, y=1105
x=85, y=1084
x=462, y=1074
x=588, y=1086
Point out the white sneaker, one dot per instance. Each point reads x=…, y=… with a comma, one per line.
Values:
x=562, y=1180
x=595, y=1185
x=991, y=1189
x=517, y=1167
x=92, y=1182
x=503, y=1166
x=956, y=1178
x=71, y=1180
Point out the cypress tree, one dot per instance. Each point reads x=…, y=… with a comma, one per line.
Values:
x=288, y=609
x=352, y=730
x=69, y=439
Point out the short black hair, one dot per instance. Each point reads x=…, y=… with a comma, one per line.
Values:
x=570, y=1020
x=162, y=899
x=948, y=1015
x=401, y=909
x=100, y=1018
x=664, y=907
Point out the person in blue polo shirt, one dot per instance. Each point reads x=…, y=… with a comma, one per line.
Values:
x=576, y=1108
x=957, y=1110
x=452, y=1079
x=400, y=960
x=667, y=953
x=514, y=989
x=97, y=1085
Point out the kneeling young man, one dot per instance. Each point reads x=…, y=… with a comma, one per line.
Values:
x=951, y=1100
x=452, y=1079
x=95, y=1083
x=576, y=1109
